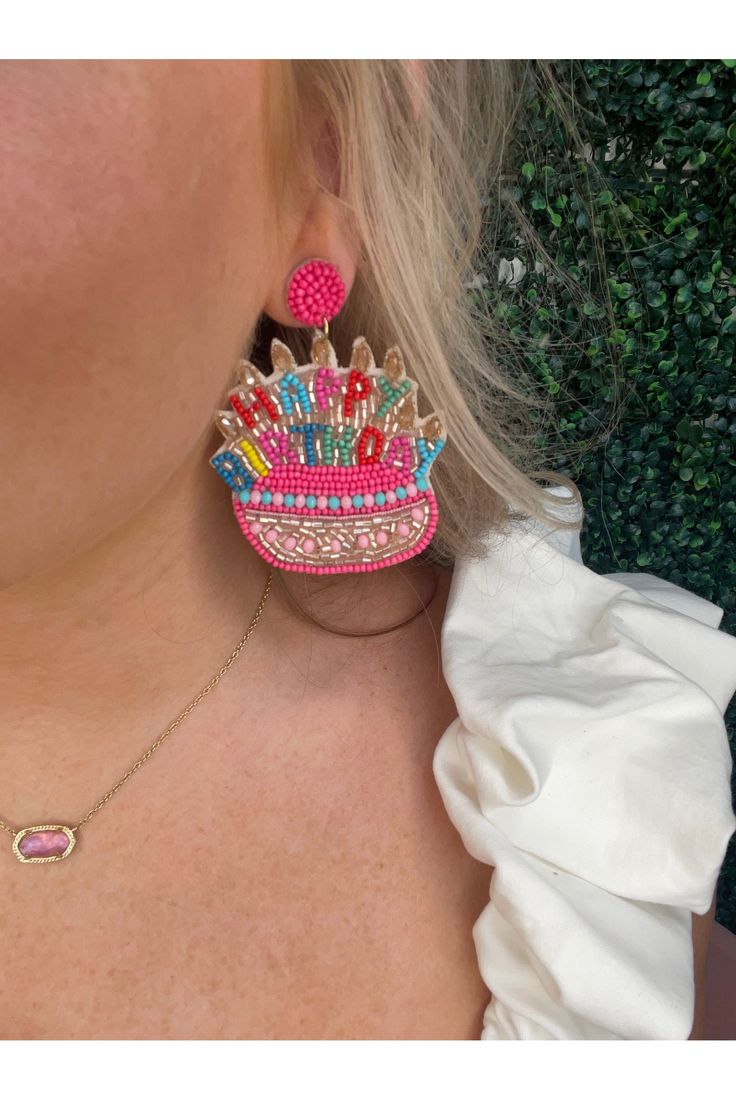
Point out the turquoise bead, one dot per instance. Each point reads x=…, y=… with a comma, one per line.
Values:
x=244, y=496
x=401, y=493
x=380, y=498
x=288, y=500
x=333, y=502
x=311, y=501
x=266, y=497
x=422, y=483
x=357, y=500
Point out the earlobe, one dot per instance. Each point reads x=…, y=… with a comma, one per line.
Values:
x=325, y=229
x=325, y=238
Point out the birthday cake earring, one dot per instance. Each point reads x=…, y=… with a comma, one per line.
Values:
x=329, y=466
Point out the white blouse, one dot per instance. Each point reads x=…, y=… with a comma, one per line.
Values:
x=589, y=766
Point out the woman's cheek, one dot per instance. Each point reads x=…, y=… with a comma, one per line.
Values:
x=133, y=264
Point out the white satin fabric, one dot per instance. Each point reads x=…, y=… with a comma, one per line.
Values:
x=589, y=765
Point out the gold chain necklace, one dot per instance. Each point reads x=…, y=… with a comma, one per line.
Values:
x=44, y=843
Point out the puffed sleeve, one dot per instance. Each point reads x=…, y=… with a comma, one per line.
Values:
x=589, y=766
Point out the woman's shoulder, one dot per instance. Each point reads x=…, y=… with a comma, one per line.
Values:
x=589, y=766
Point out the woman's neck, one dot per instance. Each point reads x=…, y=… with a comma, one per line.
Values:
x=148, y=613
x=127, y=632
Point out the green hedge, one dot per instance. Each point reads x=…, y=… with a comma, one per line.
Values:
x=638, y=282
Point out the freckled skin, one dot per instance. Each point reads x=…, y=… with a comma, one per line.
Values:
x=317, y=891
x=283, y=866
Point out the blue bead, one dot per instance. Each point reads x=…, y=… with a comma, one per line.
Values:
x=401, y=493
x=422, y=483
x=311, y=502
x=288, y=500
x=357, y=500
x=266, y=497
x=244, y=496
x=380, y=498
x=333, y=502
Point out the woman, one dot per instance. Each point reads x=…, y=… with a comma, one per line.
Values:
x=309, y=855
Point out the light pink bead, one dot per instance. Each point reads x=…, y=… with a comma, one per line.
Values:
x=290, y=543
x=382, y=537
x=321, y=501
x=403, y=529
x=271, y=536
x=390, y=497
x=346, y=502
x=417, y=513
x=368, y=499
x=411, y=489
x=255, y=527
x=255, y=497
x=278, y=499
x=300, y=500
x=335, y=545
x=363, y=541
x=308, y=545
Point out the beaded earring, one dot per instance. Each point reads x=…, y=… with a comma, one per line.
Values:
x=329, y=466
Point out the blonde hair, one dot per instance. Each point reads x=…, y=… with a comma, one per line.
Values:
x=420, y=148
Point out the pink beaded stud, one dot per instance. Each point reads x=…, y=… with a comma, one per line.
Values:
x=315, y=292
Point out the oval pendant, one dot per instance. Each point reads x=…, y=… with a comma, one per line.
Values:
x=43, y=843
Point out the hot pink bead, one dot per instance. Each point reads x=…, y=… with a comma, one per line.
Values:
x=255, y=527
x=382, y=537
x=363, y=541
x=315, y=292
x=417, y=513
x=290, y=543
x=278, y=499
x=403, y=529
x=308, y=545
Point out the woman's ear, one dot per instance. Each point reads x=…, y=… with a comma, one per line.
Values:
x=319, y=224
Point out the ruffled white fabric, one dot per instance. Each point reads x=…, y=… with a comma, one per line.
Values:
x=589, y=765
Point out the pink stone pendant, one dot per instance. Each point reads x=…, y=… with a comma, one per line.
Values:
x=43, y=843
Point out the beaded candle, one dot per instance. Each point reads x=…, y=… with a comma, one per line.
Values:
x=329, y=466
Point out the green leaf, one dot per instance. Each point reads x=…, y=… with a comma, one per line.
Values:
x=675, y=222
x=685, y=474
x=703, y=77
x=528, y=170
